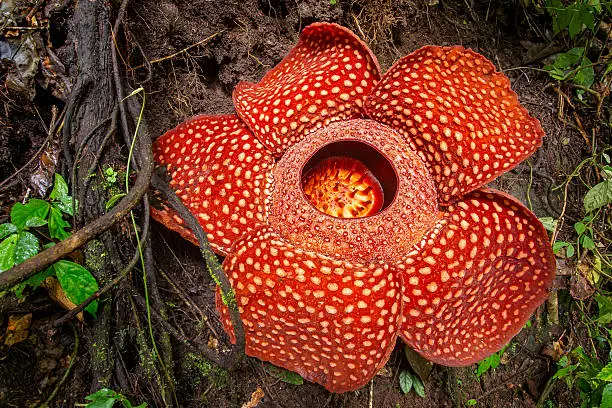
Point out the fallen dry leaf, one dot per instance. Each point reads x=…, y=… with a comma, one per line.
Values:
x=256, y=398
x=17, y=330
x=57, y=294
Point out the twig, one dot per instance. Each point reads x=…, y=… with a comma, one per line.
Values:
x=167, y=57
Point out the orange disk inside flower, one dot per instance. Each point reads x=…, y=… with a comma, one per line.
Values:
x=343, y=187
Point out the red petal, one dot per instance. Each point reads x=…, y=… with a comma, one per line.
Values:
x=335, y=323
x=459, y=114
x=325, y=78
x=220, y=171
x=475, y=279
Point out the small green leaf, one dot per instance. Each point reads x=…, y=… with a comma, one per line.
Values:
x=586, y=75
x=27, y=247
x=7, y=252
x=600, y=195
x=113, y=200
x=569, y=251
x=549, y=223
x=34, y=281
x=606, y=397
x=579, y=227
x=60, y=188
x=405, y=381
x=471, y=402
x=62, y=201
x=418, y=386
x=285, y=375
x=558, y=246
x=7, y=229
x=587, y=242
x=605, y=309
x=35, y=222
x=605, y=373
x=20, y=213
x=77, y=282
x=57, y=225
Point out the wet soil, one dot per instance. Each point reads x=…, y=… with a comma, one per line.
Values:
x=199, y=50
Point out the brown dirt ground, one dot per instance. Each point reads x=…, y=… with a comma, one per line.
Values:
x=249, y=37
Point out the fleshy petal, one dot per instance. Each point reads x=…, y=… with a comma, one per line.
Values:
x=333, y=322
x=475, y=279
x=459, y=114
x=221, y=172
x=325, y=78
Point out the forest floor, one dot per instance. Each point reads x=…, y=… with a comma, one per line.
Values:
x=188, y=56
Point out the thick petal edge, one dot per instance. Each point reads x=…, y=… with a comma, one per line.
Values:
x=220, y=172
x=333, y=322
x=459, y=114
x=325, y=78
x=471, y=284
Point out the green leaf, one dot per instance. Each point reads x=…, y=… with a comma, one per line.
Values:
x=471, y=402
x=579, y=227
x=549, y=223
x=558, y=246
x=57, y=225
x=586, y=75
x=7, y=229
x=20, y=213
x=34, y=281
x=606, y=397
x=77, y=282
x=565, y=371
x=605, y=373
x=63, y=201
x=605, y=309
x=587, y=242
x=27, y=246
x=569, y=251
x=285, y=375
x=418, y=386
x=405, y=381
x=60, y=188
x=600, y=195
x=7, y=252
x=35, y=222
x=113, y=200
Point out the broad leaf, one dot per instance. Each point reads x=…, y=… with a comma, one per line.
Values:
x=285, y=375
x=35, y=222
x=549, y=223
x=405, y=381
x=113, y=200
x=27, y=247
x=418, y=386
x=7, y=229
x=35, y=208
x=77, y=282
x=7, y=252
x=57, y=225
x=600, y=195
x=605, y=373
x=606, y=397
x=63, y=201
x=605, y=309
x=586, y=76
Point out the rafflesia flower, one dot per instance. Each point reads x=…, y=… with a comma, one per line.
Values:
x=350, y=207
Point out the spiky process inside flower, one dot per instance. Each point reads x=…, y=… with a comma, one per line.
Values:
x=371, y=223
